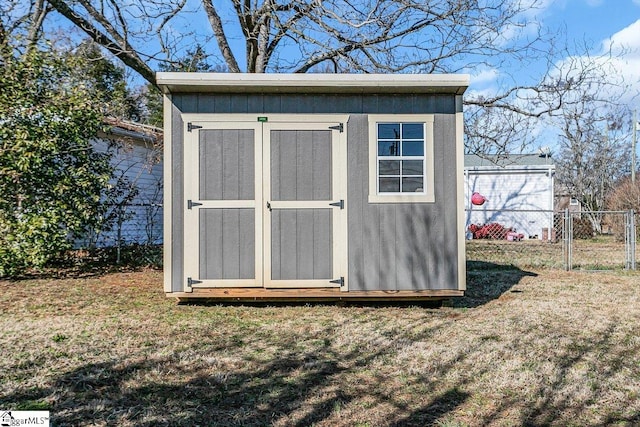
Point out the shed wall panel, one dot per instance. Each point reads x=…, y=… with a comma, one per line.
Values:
x=402, y=246
x=442, y=221
x=446, y=134
x=177, y=192
x=316, y=104
x=387, y=256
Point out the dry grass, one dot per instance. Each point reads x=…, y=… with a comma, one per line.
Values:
x=523, y=348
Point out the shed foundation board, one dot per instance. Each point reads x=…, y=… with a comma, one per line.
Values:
x=317, y=294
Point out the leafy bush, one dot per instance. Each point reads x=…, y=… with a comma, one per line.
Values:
x=50, y=177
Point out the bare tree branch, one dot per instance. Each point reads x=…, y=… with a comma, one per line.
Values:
x=117, y=47
x=362, y=36
x=221, y=38
x=38, y=14
x=21, y=24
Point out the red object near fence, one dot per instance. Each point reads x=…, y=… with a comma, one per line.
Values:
x=478, y=199
x=494, y=230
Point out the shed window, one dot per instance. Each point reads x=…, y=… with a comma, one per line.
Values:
x=400, y=158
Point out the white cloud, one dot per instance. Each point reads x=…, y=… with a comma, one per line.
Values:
x=525, y=24
x=625, y=47
x=618, y=62
x=626, y=39
x=484, y=77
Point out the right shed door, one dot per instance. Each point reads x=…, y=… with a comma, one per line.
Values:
x=305, y=192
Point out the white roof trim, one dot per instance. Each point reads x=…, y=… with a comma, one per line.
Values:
x=312, y=83
x=486, y=170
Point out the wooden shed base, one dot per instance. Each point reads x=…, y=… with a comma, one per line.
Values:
x=311, y=294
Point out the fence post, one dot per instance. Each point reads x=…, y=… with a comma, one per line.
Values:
x=630, y=239
x=119, y=236
x=567, y=235
x=627, y=241
x=632, y=216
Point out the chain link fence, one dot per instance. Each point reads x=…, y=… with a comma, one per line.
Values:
x=132, y=233
x=602, y=240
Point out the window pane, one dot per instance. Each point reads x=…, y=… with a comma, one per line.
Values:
x=413, y=148
x=389, y=167
x=388, y=130
x=389, y=185
x=412, y=185
x=413, y=131
x=388, y=148
x=412, y=167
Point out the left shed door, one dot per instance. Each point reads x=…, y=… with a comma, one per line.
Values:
x=223, y=219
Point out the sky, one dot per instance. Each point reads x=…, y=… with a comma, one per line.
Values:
x=601, y=25
x=598, y=24
x=595, y=23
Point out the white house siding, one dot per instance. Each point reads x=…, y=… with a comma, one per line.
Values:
x=142, y=220
x=518, y=197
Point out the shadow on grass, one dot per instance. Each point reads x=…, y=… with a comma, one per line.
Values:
x=487, y=281
x=321, y=376
x=294, y=388
x=558, y=397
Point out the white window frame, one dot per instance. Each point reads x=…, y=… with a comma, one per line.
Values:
x=428, y=194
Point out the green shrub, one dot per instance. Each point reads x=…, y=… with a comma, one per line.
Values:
x=50, y=177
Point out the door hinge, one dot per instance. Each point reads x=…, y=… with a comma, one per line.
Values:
x=269, y=206
x=191, y=204
x=340, y=281
x=338, y=127
x=191, y=126
x=340, y=204
x=192, y=282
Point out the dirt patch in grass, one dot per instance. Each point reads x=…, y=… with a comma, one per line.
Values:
x=539, y=347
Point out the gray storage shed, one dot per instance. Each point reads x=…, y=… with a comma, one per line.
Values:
x=319, y=186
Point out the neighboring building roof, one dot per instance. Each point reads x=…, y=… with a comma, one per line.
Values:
x=175, y=82
x=134, y=132
x=508, y=161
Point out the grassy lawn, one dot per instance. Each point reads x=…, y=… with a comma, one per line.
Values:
x=526, y=346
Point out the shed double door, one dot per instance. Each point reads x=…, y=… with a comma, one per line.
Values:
x=265, y=203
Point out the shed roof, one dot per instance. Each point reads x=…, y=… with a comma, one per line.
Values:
x=178, y=82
